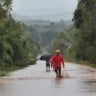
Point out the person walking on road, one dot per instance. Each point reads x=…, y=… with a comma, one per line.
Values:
x=57, y=61
x=46, y=58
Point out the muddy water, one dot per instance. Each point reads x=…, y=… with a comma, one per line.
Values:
x=34, y=81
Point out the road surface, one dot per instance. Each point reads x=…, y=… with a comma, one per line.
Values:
x=35, y=81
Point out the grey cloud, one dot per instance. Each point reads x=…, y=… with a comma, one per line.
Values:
x=46, y=9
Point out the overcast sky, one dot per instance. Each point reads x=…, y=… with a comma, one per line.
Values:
x=45, y=9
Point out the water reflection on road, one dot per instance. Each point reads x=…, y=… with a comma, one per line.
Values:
x=34, y=81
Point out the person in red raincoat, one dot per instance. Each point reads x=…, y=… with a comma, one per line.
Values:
x=57, y=61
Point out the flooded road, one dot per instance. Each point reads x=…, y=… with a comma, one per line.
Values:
x=35, y=81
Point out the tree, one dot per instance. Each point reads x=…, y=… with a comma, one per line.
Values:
x=13, y=45
x=85, y=22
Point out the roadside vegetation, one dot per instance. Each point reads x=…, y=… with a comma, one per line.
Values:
x=79, y=42
x=15, y=50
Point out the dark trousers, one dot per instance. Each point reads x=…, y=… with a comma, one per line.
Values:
x=58, y=71
x=47, y=66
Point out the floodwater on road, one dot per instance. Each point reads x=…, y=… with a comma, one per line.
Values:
x=35, y=81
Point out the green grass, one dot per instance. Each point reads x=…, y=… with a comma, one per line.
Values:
x=70, y=59
x=3, y=73
x=86, y=63
x=5, y=69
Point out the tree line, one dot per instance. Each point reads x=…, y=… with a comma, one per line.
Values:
x=82, y=34
x=15, y=49
x=85, y=23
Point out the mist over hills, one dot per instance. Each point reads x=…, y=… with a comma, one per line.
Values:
x=42, y=31
x=42, y=21
x=44, y=25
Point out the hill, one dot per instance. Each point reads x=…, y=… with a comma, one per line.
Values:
x=42, y=31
